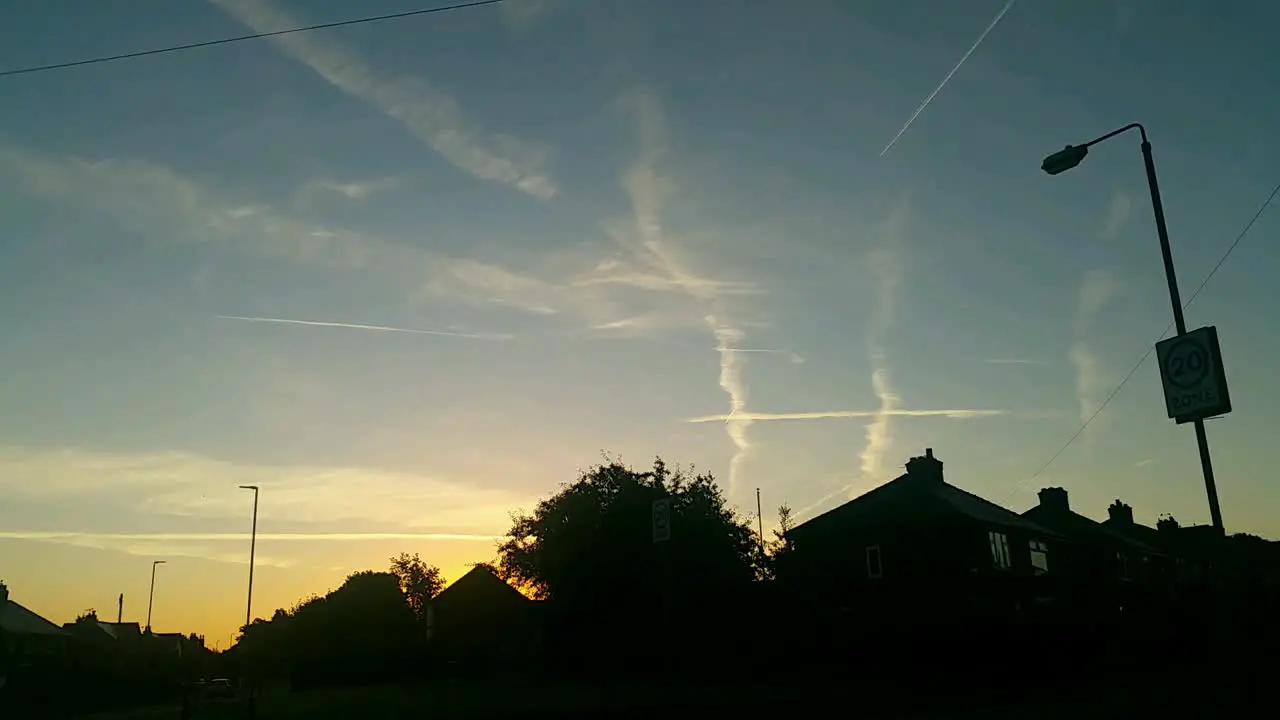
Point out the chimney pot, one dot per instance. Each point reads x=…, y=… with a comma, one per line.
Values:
x=1054, y=498
x=926, y=468
x=1120, y=513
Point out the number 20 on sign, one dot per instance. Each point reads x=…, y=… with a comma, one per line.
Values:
x=1195, y=384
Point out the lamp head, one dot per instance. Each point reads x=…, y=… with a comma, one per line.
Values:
x=1064, y=159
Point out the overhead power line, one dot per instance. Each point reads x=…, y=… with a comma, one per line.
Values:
x=241, y=38
x=1218, y=265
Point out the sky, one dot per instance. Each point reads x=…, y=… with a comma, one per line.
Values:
x=410, y=276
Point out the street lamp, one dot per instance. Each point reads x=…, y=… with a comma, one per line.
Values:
x=1073, y=155
x=152, y=596
x=253, y=542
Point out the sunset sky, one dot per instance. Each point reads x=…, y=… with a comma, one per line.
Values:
x=410, y=276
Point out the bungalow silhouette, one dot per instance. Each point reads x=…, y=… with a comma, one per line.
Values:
x=480, y=619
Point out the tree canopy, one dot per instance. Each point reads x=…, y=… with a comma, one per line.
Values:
x=353, y=631
x=418, y=581
x=592, y=542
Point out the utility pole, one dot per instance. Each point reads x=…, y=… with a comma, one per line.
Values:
x=760, y=519
x=120, y=609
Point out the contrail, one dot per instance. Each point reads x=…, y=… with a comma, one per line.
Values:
x=938, y=89
x=793, y=357
x=958, y=414
x=357, y=326
x=237, y=537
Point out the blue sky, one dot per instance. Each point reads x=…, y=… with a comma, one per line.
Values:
x=621, y=222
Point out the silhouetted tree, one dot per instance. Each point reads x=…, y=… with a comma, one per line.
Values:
x=590, y=550
x=780, y=547
x=418, y=581
x=362, y=631
x=88, y=616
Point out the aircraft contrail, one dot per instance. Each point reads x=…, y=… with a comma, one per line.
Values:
x=793, y=357
x=956, y=414
x=357, y=326
x=218, y=537
x=1000, y=15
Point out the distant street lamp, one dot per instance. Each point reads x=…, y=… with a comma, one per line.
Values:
x=253, y=542
x=1073, y=155
x=152, y=596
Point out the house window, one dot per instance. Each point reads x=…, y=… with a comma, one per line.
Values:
x=875, y=570
x=1122, y=565
x=1039, y=557
x=1000, y=555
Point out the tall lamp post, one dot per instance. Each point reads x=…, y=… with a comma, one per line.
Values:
x=253, y=542
x=1071, y=156
x=152, y=595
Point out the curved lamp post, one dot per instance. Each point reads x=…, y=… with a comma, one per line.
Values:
x=253, y=542
x=152, y=595
x=1073, y=155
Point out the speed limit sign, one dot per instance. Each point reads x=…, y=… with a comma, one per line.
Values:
x=1195, y=385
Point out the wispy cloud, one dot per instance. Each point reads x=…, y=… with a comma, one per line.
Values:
x=1143, y=463
x=885, y=265
x=187, y=485
x=358, y=326
x=429, y=113
x=1118, y=213
x=163, y=206
x=350, y=190
x=649, y=242
x=1097, y=289
x=958, y=414
x=991, y=26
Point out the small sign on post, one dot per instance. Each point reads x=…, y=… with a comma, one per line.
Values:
x=661, y=520
x=1195, y=383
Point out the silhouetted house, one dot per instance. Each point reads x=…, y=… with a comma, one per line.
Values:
x=124, y=632
x=174, y=643
x=1259, y=560
x=1190, y=551
x=921, y=545
x=27, y=641
x=1093, y=555
x=481, y=619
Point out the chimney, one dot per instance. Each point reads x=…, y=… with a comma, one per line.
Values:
x=120, y=609
x=4, y=593
x=1055, y=499
x=1120, y=513
x=926, y=468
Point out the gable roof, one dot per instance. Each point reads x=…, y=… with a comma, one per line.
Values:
x=18, y=620
x=1135, y=531
x=480, y=580
x=1068, y=522
x=909, y=499
x=121, y=630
